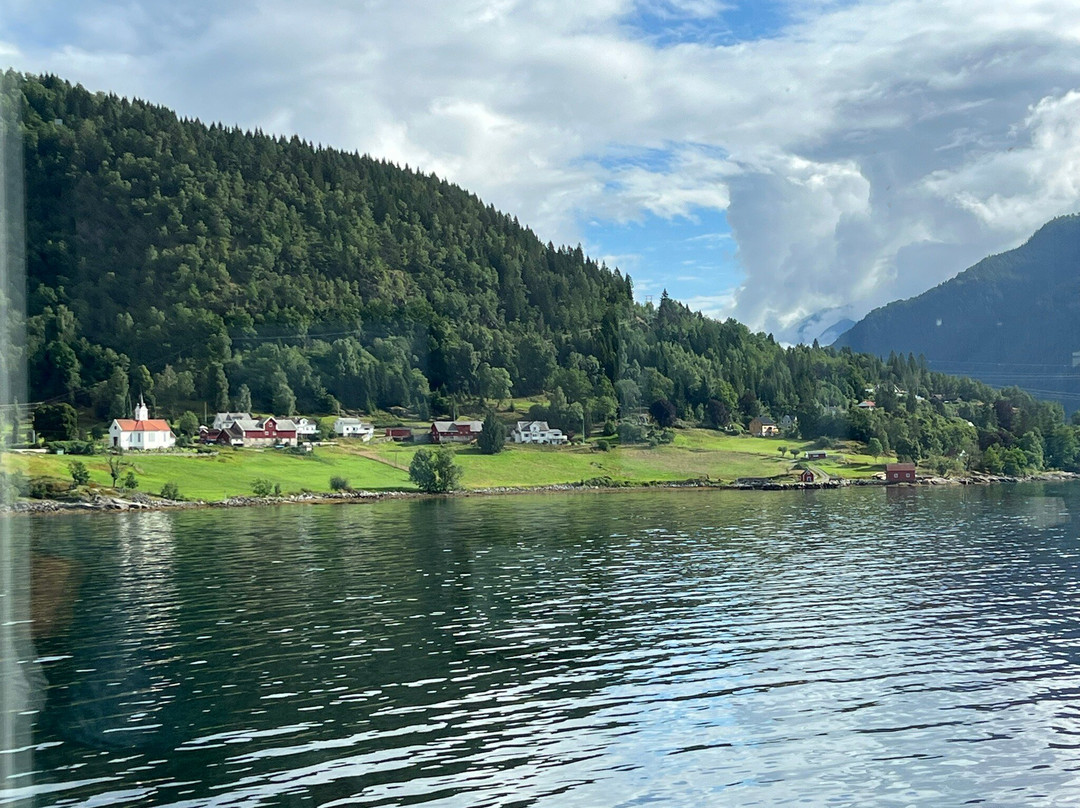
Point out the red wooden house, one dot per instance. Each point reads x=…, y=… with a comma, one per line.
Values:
x=455, y=431
x=900, y=473
x=252, y=432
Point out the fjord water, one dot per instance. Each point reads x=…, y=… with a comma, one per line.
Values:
x=855, y=647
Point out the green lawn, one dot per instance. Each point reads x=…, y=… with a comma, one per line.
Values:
x=230, y=473
x=696, y=453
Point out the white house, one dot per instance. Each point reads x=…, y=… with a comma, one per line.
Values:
x=140, y=432
x=306, y=428
x=537, y=432
x=353, y=428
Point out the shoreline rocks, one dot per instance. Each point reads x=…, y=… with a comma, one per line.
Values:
x=141, y=502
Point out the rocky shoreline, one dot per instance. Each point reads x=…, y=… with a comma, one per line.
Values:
x=142, y=502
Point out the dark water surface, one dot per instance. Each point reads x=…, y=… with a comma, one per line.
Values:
x=857, y=647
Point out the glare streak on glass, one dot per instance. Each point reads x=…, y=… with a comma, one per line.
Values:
x=20, y=691
x=847, y=647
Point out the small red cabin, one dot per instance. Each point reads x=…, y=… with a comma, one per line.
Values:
x=807, y=476
x=900, y=473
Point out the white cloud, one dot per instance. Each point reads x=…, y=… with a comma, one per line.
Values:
x=1026, y=184
x=865, y=152
x=701, y=9
x=719, y=306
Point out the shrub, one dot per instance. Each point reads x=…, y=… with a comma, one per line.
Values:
x=12, y=485
x=338, y=483
x=262, y=487
x=80, y=474
x=47, y=488
x=631, y=431
x=598, y=482
x=171, y=491
x=71, y=447
x=130, y=481
x=944, y=466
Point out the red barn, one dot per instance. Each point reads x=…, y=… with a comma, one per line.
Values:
x=455, y=431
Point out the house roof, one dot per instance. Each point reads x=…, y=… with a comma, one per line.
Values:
x=150, y=425
x=285, y=424
x=452, y=426
x=348, y=421
x=900, y=467
x=765, y=420
x=523, y=425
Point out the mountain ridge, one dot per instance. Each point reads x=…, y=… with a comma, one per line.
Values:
x=1011, y=318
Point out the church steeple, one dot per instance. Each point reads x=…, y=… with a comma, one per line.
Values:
x=141, y=411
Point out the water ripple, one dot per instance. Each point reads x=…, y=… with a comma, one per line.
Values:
x=861, y=647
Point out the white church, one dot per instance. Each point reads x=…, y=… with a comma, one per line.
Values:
x=141, y=432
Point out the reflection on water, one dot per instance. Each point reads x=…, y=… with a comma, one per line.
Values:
x=851, y=647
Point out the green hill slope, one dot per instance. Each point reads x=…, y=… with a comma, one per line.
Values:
x=200, y=265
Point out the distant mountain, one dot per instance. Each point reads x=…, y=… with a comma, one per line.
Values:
x=835, y=331
x=1012, y=319
x=824, y=326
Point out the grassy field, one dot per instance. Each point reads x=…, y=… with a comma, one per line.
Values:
x=696, y=453
x=229, y=473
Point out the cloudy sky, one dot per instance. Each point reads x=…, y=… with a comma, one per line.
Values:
x=766, y=160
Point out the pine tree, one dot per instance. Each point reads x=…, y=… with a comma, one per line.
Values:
x=492, y=439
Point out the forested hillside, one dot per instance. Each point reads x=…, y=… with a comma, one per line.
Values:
x=1012, y=318
x=198, y=263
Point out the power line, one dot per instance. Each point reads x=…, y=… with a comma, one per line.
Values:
x=972, y=363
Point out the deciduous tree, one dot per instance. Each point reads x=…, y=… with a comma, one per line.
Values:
x=56, y=422
x=434, y=471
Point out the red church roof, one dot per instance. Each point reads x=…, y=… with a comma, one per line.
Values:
x=151, y=425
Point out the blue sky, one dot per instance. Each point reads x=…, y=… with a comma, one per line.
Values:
x=668, y=24
x=770, y=161
x=692, y=257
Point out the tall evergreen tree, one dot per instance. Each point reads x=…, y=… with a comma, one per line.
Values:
x=492, y=438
